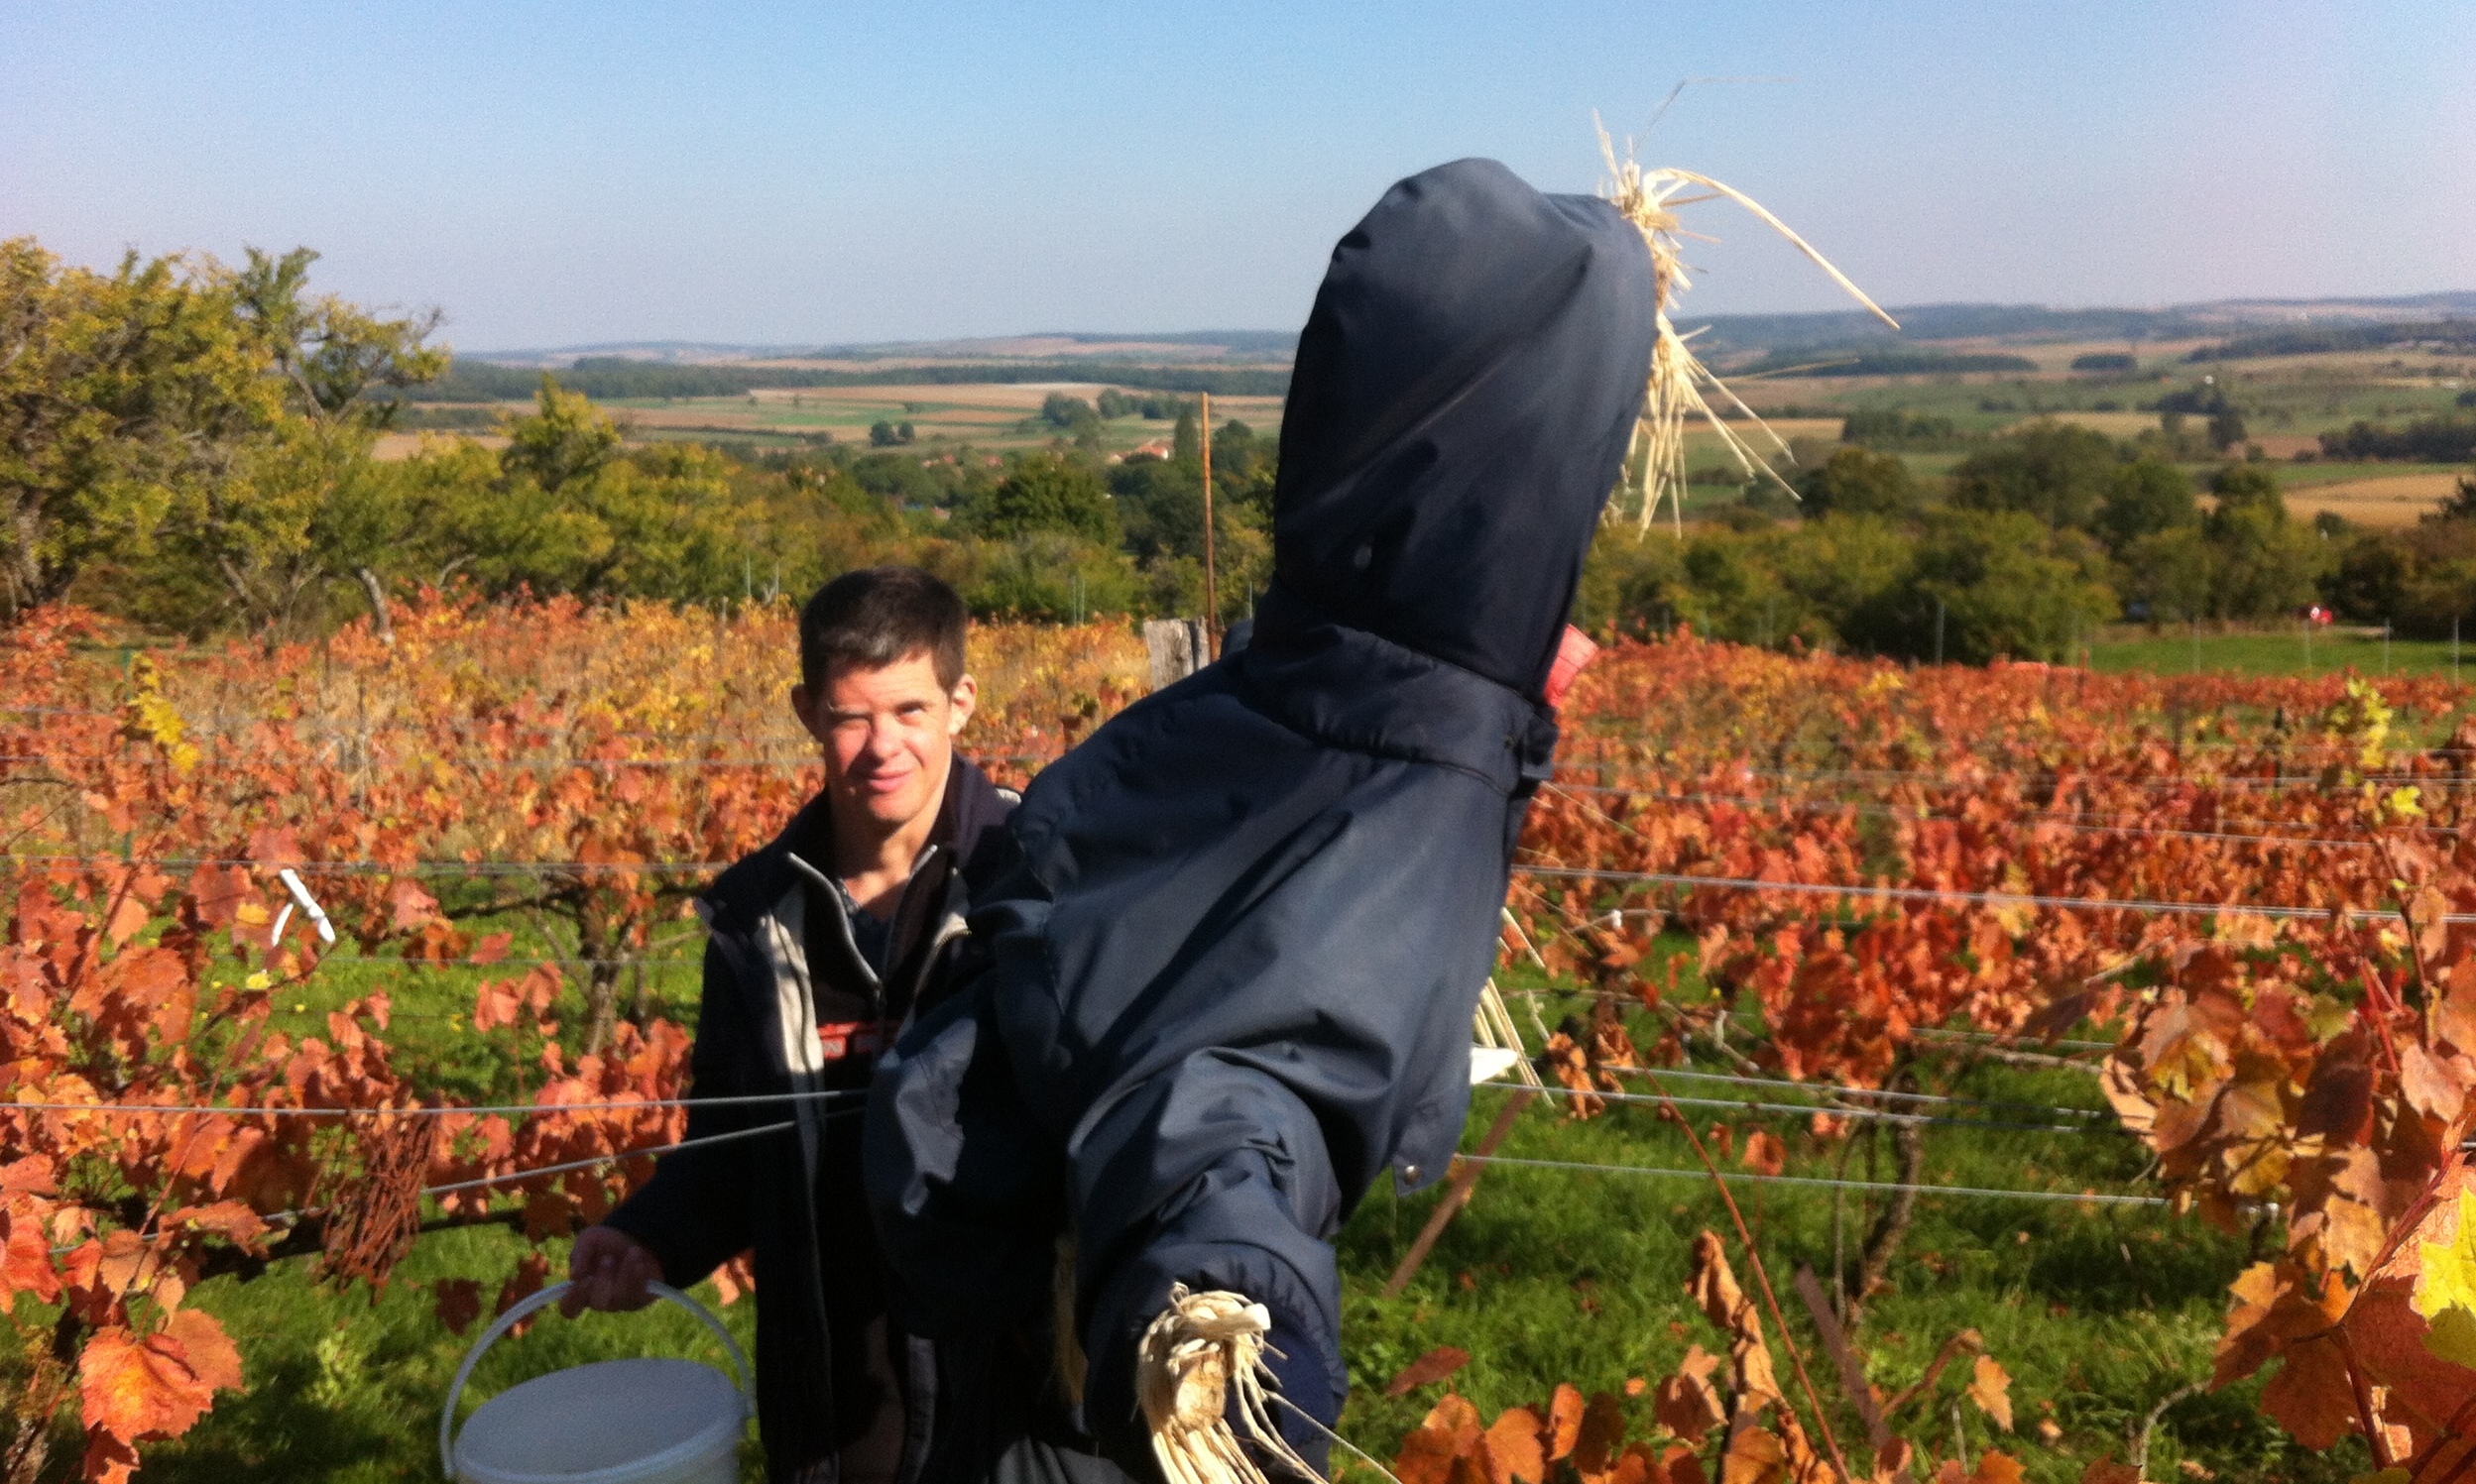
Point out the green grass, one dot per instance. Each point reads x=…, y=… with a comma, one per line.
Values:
x=2294, y=475
x=2331, y=650
x=1551, y=1276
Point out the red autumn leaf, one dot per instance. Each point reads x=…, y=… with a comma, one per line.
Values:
x=531, y=1271
x=1514, y=1449
x=1997, y=1468
x=26, y=1264
x=1565, y=1414
x=1688, y=1404
x=136, y=1389
x=492, y=947
x=410, y=908
x=736, y=1279
x=220, y=891
x=1765, y=1154
x=1991, y=1387
x=130, y=914
x=1433, y=1366
x=209, y=1351
x=1426, y=1457
x=274, y=848
x=1603, y=1434
x=1457, y=1417
x=230, y=1219
x=457, y=1301
x=2312, y=1395
x=495, y=1004
x=1754, y=1456
x=107, y=1461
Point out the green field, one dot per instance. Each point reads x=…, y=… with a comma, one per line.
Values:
x=2328, y=652
x=1551, y=1276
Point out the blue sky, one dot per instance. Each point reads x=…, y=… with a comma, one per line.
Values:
x=808, y=172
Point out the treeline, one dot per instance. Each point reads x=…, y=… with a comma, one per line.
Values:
x=2024, y=549
x=2321, y=339
x=1858, y=362
x=191, y=446
x=615, y=377
x=2427, y=440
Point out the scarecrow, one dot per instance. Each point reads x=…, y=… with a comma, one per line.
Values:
x=1232, y=983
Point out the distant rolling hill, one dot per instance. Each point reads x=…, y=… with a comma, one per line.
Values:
x=1255, y=361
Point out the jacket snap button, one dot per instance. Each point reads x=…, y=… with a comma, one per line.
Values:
x=1361, y=558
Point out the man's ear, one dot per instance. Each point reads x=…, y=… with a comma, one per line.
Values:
x=803, y=705
x=964, y=699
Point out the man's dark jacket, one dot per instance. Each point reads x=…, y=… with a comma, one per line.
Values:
x=768, y=961
x=1233, y=978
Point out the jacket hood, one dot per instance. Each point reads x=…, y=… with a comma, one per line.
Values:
x=1463, y=398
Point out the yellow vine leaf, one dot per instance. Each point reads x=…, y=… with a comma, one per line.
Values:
x=2445, y=1290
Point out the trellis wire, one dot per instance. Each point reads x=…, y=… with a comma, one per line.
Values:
x=610, y=1159
x=1655, y=878
x=1807, y=1110
x=1986, y=898
x=2019, y=821
x=1584, y=1166
x=527, y=1110
x=1884, y=1093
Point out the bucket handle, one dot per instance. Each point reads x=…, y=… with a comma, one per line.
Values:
x=543, y=1299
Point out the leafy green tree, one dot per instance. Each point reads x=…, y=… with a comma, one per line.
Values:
x=881, y=434
x=2265, y=564
x=2226, y=429
x=1895, y=427
x=1068, y=414
x=2249, y=483
x=568, y=438
x=2369, y=580
x=1860, y=482
x=1052, y=574
x=1047, y=491
x=2172, y=570
x=1854, y=574
x=1185, y=441
x=2010, y=586
x=2055, y=471
x=330, y=353
x=2147, y=496
x=177, y=430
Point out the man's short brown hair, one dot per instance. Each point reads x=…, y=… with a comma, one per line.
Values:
x=877, y=616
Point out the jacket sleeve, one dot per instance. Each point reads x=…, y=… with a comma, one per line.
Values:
x=1255, y=1200
x=694, y=1212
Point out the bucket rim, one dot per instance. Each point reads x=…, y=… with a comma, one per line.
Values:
x=448, y=1438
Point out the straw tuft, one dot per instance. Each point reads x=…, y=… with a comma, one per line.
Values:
x=1202, y=1349
x=1681, y=386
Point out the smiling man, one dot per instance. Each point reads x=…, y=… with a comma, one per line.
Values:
x=820, y=947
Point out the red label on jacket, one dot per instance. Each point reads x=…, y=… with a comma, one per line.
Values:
x=837, y=1039
x=1573, y=651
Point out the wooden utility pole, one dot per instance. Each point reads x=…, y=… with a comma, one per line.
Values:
x=1212, y=587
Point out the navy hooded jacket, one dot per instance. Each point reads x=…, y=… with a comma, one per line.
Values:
x=1232, y=980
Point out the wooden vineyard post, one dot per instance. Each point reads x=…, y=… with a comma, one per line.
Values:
x=1212, y=594
x=1456, y=1195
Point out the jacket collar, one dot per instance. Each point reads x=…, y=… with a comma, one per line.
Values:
x=971, y=823
x=1350, y=688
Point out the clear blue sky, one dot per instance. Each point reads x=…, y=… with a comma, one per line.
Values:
x=804, y=173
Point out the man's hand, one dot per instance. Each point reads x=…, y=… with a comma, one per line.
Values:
x=610, y=1270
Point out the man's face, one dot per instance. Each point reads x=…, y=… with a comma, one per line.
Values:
x=888, y=735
